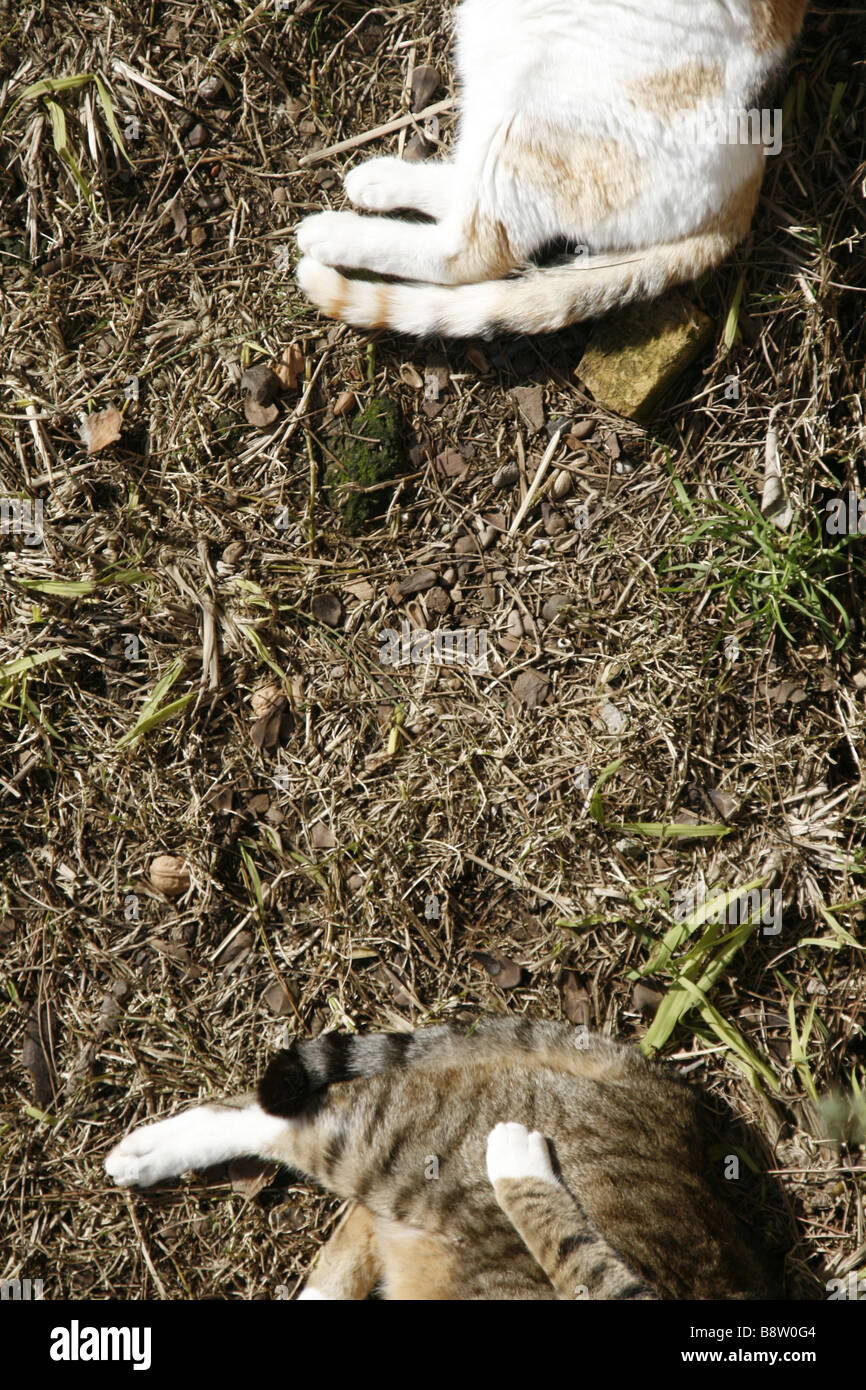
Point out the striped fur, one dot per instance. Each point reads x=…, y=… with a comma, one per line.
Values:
x=620, y=1201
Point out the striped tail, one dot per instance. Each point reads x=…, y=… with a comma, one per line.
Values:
x=306, y=1068
x=299, y=1072
x=537, y=301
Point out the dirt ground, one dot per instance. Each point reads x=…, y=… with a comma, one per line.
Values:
x=190, y=644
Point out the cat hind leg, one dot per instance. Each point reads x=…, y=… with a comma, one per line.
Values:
x=389, y=184
x=348, y=1266
x=462, y=250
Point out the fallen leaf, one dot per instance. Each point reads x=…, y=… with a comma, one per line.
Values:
x=451, y=464
x=393, y=986
x=101, y=429
x=530, y=401
x=273, y=727
x=613, y=719
x=37, y=1052
x=360, y=589
x=175, y=211
x=504, y=971
x=529, y=691
x=645, y=999
x=322, y=836
x=575, y=999
x=788, y=692
x=291, y=366
x=725, y=804
x=554, y=606
x=278, y=1000
x=236, y=952
x=478, y=360
x=172, y=949
x=265, y=697
x=775, y=505
x=426, y=82
x=249, y=1176
x=506, y=476
x=327, y=609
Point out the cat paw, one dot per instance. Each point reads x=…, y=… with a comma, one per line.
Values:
x=379, y=185
x=149, y=1154
x=514, y=1152
x=310, y=1293
x=331, y=237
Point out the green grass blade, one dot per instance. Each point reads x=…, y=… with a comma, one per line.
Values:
x=151, y=715
x=108, y=110
x=22, y=664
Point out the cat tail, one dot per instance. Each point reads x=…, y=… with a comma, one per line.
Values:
x=539, y=300
x=296, y=1075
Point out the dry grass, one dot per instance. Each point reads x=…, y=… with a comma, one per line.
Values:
x=478, y=803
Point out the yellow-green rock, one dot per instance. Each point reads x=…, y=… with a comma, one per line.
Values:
x=635, y=356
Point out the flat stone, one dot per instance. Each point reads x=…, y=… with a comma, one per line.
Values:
x=633, y=358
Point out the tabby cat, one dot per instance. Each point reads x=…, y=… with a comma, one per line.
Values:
x=616, y=127
x=519, y=1161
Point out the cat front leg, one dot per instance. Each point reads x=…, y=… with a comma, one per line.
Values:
x=555, y=1229
x=389, y=184
x=196, y=1139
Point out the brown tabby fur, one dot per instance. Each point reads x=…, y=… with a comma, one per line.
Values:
x=639, y=1212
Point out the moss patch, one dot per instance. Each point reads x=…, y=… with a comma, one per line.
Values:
x=370, y=453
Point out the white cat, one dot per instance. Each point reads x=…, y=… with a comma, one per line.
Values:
x=592, y=121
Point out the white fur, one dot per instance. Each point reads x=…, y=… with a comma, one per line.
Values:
x=195, y=1139
x=568, y=65
x=515, y=1152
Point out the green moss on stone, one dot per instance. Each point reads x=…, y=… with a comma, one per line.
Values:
x=370, y=453
x=634, y=357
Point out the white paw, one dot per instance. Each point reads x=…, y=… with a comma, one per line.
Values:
x=332, y=237
x=380, y=185
x=147, y=1155
x=310, y=1293
x=514, y=1152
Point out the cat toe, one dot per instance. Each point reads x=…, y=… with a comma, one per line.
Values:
x=327, y=237
x=127, y=1167
x=514, y=1152
x=375, y=186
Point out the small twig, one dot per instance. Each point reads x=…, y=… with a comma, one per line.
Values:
x=564, y=904
x=316, y=156
x=144, y=1250
x=126, y=71
x=536, y=482
x=311, y=460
